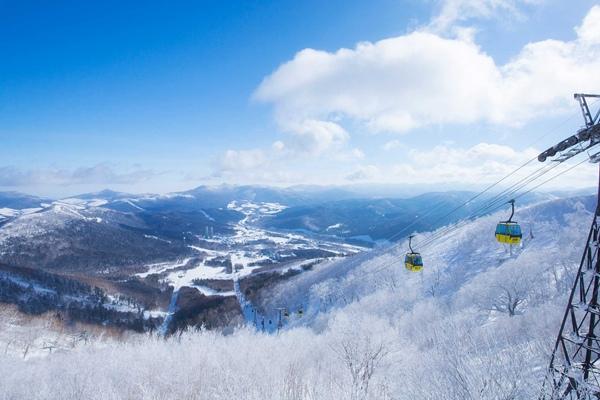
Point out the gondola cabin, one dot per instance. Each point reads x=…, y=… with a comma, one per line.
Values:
x=508, y=233
x=413, y=262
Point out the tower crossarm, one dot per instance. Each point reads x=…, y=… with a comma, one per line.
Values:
x=584, y=139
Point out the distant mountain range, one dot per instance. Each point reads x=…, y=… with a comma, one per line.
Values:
x=19, y=201
x=108, y=229
x=120, y=253
x=97, y=235
x=203, y=197
x=340, y=212
x=383, y=219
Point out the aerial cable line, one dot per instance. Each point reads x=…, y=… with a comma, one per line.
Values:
x=500, y=197
x=481, y=212
x=553, y=177
x=386, y=264
x=464, y=203
x=495, y=207
x=497, y=203
x=472, y=198
x=441, y=204
x=510, y=191
x=511, y=194
x=491, y=204
x=483, y=209
x=489, y=210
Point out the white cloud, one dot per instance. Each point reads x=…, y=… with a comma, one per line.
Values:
x=422, y=78
x=392, y=145
x=312, y=136
x=589, y=30
x=239, y=160
x=457, y=11
x=348, y=155
x=278, y=146
x=437, y=75
x=254, y=166
x=483, y=162
x=308, y=138
x=357, y=153
x=365, y=173
x=479, y=164
x=102, y=174
x=474, y=156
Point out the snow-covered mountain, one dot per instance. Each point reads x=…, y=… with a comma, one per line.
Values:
x=146, y=248
x=215, y=197
x=13, y=204
x=19, y=201
x=478, y=323
x=554, y=233
x=106, y=230
x=75, y=235
x=376, y=220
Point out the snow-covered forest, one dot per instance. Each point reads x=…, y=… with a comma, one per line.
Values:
x=477, y=323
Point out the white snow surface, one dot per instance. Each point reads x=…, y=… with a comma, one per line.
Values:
x=30, y=223
x=451, y=262
x=206, y=215
x=243, y=250
x=8, y=212
x=159, y=268
x=439, y=334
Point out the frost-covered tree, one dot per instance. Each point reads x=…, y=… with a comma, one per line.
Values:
x=362, y=358
x=484, y=332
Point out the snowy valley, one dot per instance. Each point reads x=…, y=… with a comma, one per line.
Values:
x=89, y=259
x=478, y=322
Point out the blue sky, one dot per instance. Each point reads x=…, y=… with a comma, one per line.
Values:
x=163, y=96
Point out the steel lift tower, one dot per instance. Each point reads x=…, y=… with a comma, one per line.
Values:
x=574, y=371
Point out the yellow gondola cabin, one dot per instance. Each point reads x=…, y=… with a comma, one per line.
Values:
x=509, y=232
x=413, y=260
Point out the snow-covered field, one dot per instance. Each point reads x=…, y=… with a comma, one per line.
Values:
x=160, y=268
x=248, y=249
x=371, y=330
x=234, y=257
